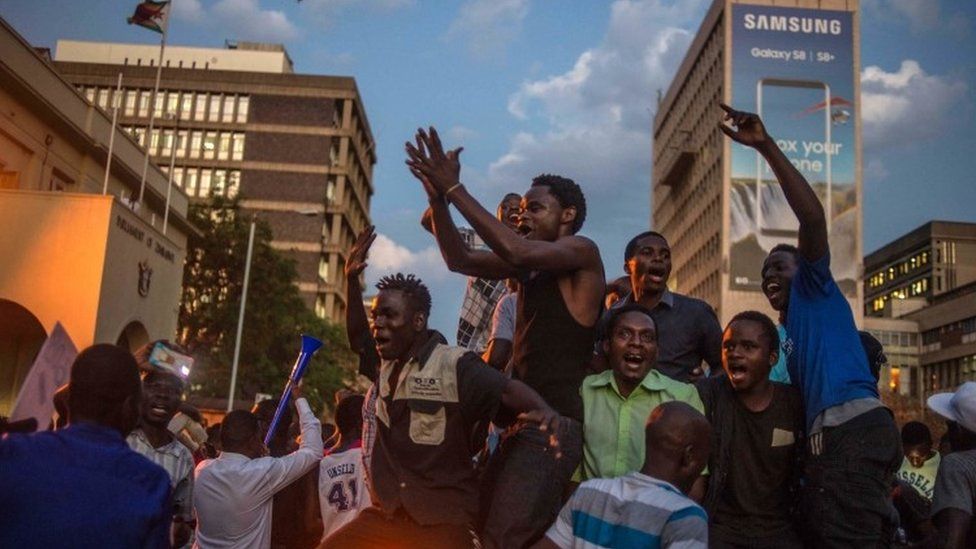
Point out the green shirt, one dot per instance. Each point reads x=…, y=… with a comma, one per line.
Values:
x=613, y=426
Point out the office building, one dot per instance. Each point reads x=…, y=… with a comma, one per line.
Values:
x=75, y=254
x=715, y=200
x=239, y=122
x=920, y=301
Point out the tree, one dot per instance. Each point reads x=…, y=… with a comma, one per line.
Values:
x=274, y=318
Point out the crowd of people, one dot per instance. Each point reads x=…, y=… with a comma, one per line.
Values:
x=574, y=411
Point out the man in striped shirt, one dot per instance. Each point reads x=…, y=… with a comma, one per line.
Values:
x=647, y=508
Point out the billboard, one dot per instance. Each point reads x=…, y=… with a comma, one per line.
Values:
x=795, y=68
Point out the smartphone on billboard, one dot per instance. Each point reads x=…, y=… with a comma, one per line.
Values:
x=797, y=113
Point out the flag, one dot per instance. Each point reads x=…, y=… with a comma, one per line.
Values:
x=150, y=15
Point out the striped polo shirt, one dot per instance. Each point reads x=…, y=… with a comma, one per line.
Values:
x=634, y=510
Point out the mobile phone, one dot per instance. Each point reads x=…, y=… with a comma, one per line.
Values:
x=169, y=360
x=797, y=113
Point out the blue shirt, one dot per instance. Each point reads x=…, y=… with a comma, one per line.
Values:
x=80, y=487
x=825, y=358
x=779, y=372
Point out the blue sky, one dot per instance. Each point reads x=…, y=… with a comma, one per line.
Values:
x=568, y=86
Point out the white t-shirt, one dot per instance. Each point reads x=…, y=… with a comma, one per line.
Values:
x=342, y=489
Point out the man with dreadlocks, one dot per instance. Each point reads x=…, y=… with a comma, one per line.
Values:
x=429, y=396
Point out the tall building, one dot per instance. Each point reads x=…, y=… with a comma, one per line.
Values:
x=920, y=301
x=796, y=64
x=296, y=148
x=74, y=254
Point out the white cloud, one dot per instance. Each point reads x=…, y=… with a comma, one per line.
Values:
x=386, y=257
x=248, y=21
x=488, y=26
x=599, y=114
x=189, y=10
x=907, y=105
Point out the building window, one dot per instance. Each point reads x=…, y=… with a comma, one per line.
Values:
x=181, y=142
x=186, y=106
x=140, y=135
x=200, y=109
x=209, y=145
x=102, y=98
x=196, y=143
x=190, y=183
x=237, y=146
x=320, y=306
x=205, y=179
x=173, y=103
x=167, y=148
x=154, y=142
x=219, y=182
x=158, y=108
x=178, y=176
x=131, y=98
x=242, y=106
x=90, y=95
x=223, y=151
x=233, y=183
x=324, y=269
x=330, y=189
x=144, y=96
x=214, y=115
x=228, y=109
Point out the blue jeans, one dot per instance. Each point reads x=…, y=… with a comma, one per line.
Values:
x=525, y=483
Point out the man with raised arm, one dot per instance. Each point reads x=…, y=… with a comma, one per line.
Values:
x=559, y=301
x=854, y=446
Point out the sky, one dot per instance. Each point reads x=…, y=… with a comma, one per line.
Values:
x=569, y=87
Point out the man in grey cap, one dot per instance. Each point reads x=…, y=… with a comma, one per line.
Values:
x=955, y=485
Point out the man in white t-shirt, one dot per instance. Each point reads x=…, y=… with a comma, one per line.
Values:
x=342, y=483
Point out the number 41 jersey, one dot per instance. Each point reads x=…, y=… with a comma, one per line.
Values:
x=342, y=489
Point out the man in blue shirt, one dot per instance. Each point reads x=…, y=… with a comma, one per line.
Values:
x=853, y=446
x=82, y=486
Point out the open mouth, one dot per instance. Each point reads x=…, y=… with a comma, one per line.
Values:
x=381, y=340
x=737, y=372
x=523, y=229
x=772, y=290
x=634, y=360
x=656, y=273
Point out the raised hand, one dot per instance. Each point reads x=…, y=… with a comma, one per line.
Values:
x=437, y=170
x=356, y=262
x=749, y=129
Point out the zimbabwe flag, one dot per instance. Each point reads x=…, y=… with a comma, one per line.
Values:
x=150, y=15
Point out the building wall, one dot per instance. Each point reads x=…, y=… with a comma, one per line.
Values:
x=690, y=182
x=274, y=61
x=296, y=149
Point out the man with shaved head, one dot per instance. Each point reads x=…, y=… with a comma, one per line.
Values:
x=647, y=508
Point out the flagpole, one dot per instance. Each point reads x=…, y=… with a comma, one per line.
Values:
x=169, y=175
x=111, y=137
x=152, y=106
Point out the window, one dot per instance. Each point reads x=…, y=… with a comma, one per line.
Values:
x=173, y=103
x=200, y=109
x=237, y=146
x=223, y=150
x=182, y=140
x=219, y=182
x=154, y=141
x=186, y=105
x=324, y=269
x=190, y=182
x=242, y=106
x=90, y=95
x=167, y=148
x=330, y=189
x=209, y=145
x=131, y=98
x=140, y=135
x=233, y=183
x=228, y=109
x=214, y=115
x=144, y=103
x=205, y=178
x=102, y=98
x=178, y=176
x=158, y=104
x=196, y=143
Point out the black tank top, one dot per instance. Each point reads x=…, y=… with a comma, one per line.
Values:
x=551, y=349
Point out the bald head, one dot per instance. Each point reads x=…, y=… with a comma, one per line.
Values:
x=676, y=444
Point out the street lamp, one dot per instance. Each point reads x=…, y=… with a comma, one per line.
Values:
x=308, y=212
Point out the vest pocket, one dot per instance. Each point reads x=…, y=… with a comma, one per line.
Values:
x=428, y=421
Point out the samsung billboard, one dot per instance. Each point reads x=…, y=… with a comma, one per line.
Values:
x=795, y=68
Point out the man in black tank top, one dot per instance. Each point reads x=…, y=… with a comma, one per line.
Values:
x=560, y=299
